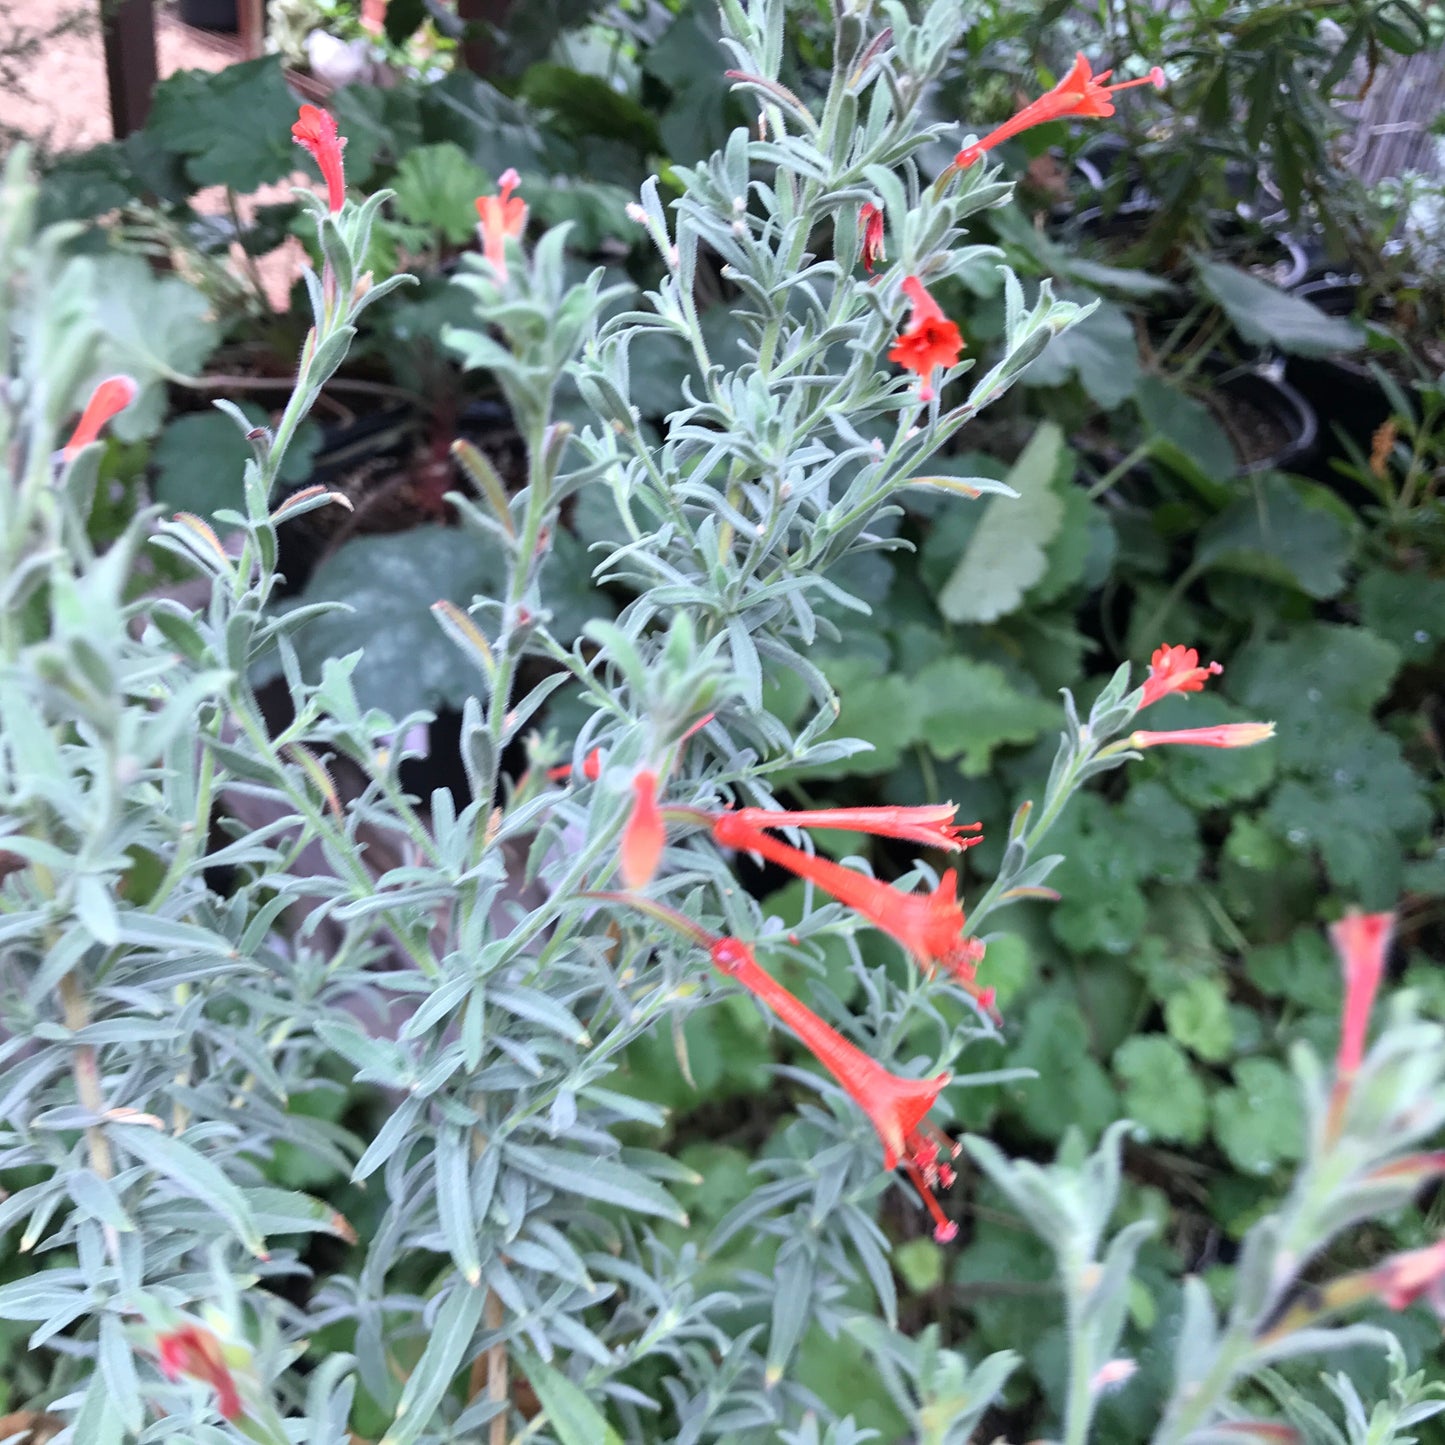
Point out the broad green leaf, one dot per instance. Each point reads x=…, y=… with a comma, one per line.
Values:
x=1303, y=970
x=1311, y=683
x=232, y=125
x=877, y=706
x=1259, y=1123
x=571, y=1416
x=1072, y=1088
x=1101, y=351
x=390, y=583
x=1005, y=555
x=1161, y=1090
x=689, y=60
x=1102, y=908
x=1069, y=551
x=1405, y=608
x=1198, y=1016
x=1266, y=316
x=437, y=187
x=1162, y=832
x=1207, y=778
x=1187, y=437
x=1355, y=800
x=920, y=1262
x=200, y=461
x=1137, y=285
x=597, y=211
x=586, y=107
x=971, y=709
x=446, y=1350
x=1279, y=534
x=156, y=328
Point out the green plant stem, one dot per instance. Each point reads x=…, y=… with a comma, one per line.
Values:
x=1119, y=469
x=1186, y=1416
x=539, y=496
x=1054, y=804
x=1079, y=1405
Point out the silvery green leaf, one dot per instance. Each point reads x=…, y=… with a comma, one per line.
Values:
x=194, y=1175
x=447, y=1348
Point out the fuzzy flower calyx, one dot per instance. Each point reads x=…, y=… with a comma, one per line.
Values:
x=499, y=217
x=193, y=1351
x=109, y=398
x=930, y=339
x=644, y=833
x=1079, y=93
x=1175, y=669
x=315, y=131
x=870, y=218
x=897, y=1107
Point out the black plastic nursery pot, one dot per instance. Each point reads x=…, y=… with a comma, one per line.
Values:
x=1340, y=388
x=1278, y=258
x=208, y=14
x=1270, y=425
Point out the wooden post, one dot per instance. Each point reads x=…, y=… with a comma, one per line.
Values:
x=251, y=18
x=128, y=30
x=479, y=52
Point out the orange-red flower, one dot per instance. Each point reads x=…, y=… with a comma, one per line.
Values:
x=1361, y=940
x=315, y=129
x=196, y=1352
x=870, y=218
x=1079, y=93
x=643, y=835
x=896, y=1106
x=929, y=925
x=501, y=216
x=1175, y=669
x=929, y=341
x=1416, y=1274
x=113, y=395
x=591, y=768
x=1226, y=735
x=932, y=825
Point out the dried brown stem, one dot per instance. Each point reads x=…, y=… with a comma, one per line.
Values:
x=496, y=1369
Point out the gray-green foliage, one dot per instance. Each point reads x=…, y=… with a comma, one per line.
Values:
x=218, y=928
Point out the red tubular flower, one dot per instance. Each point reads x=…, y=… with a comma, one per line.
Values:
x=1413, y=1275
x=591, y=768
x=1175, y=669
x=870, y=218
x=1361, y=940
x=1079, y=93
x=501, y=216
x=315, y=130
x=896, y=1106
x=931, y=825
x=929, y=925
x=1226, y=735
x=196, y=1352
x=929, y=341
x=113, y=395
x=644, y=835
